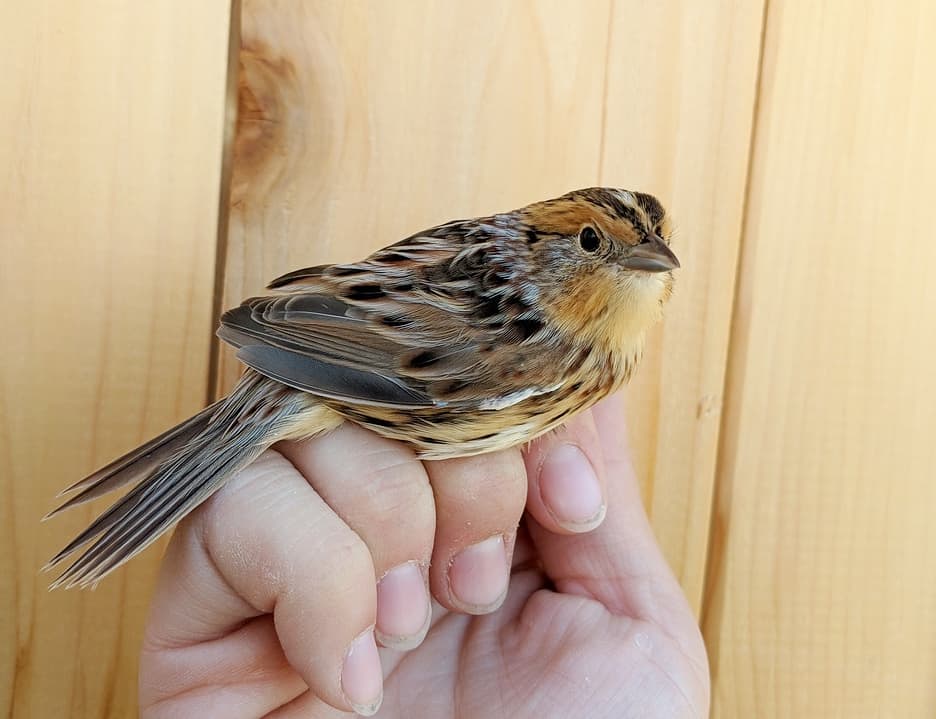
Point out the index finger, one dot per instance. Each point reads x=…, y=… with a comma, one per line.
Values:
x=266, y=544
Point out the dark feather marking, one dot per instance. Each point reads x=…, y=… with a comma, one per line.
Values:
x=304, y=273
x=529, y=326
x=613, y=204
x=367, y=291
x=628, y=213
x=652, y=205
x=448, y=387
x=488, y=307
x=520, y=330
x=568, y=410
x=346, y=271
x=394, y=321
x=580, y=359
x=423, y=359
x=380, y=421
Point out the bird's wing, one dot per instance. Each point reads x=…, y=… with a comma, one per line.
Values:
x=424, y=323
x=310, y=342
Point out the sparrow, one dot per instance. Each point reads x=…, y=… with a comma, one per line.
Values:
x=469, y=337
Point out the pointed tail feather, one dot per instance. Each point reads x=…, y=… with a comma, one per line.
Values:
x=176, y=472
x=135, y=465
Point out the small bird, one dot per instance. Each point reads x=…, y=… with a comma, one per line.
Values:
x=469, y=337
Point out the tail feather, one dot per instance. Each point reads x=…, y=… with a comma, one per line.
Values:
x=189, y=465
x=136, y=465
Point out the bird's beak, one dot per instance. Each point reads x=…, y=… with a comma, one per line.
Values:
x=653, y=255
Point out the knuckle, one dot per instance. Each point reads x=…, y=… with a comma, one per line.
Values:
x=341, y=560
x=502, y=476
x=397, y=522
x=350, y=555
x=400, y=498
x=401, y=486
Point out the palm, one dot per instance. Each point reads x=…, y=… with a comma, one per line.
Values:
x=546, y=654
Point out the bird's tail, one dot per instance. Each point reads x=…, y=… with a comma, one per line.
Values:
x=180, y=469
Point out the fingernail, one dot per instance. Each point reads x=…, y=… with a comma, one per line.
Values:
x=570, y=490
x=402, y=607
x=361, y=675
x=478, y=576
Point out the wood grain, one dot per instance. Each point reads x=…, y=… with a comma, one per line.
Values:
x=679, y=101
x=822, y=593
x=364, y=122
x=109, y=171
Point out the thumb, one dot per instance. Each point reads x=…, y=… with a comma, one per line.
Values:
x=619, y=563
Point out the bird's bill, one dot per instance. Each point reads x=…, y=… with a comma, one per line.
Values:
x=654, y=255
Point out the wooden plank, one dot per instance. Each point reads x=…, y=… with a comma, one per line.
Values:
x=363, y=122
x=680, y=97
x=109, y=172
x=822, y=591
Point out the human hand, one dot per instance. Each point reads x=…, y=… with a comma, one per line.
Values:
x=265, y=588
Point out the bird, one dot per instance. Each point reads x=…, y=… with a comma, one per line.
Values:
x=469, y=337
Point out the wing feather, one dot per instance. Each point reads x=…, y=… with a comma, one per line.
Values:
x=434, y=320
x=332, y=381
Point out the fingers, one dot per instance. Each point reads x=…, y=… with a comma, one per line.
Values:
x=479, y=502
x=243, y=674
x=462, y=516
x=566, y=474
x=382, y=492
x=619, y=563
x=267, y=543
x=332, y=549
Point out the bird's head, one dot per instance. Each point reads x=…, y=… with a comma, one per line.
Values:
x=603, y=261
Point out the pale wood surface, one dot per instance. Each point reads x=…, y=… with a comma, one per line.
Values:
x=109, y=169
x=363, y=121
x=822, y=599
x=678, y=121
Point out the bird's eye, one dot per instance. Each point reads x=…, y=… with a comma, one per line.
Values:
x=588, y=239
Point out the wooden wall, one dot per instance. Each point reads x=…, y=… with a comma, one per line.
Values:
x=110, y=142
x=821, y=599
x=781, y=420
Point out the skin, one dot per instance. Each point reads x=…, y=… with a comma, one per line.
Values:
x=260, y=595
